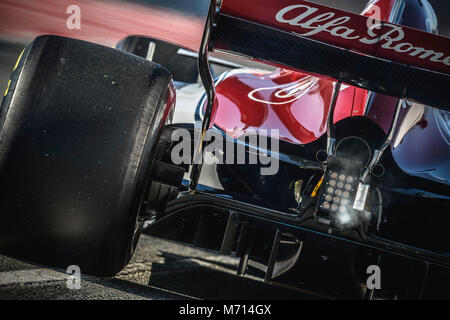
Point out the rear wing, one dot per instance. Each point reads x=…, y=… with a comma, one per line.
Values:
x=357, y=50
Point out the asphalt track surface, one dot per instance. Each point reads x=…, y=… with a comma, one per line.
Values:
x=159, y=270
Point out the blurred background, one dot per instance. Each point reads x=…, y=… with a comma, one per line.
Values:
x=108, y=21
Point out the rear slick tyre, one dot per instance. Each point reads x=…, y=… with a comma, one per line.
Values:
x=79, y=126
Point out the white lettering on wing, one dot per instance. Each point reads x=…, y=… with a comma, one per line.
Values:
x=309, y=19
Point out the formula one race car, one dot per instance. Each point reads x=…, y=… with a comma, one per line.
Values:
x=324, y=165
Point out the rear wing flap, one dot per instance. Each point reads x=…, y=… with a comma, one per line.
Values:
x=357, y=50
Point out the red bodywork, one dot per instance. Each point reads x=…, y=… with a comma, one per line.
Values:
x=362, y=33
x=295, y=103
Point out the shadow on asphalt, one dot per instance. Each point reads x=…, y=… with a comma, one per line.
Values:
x=214, y=281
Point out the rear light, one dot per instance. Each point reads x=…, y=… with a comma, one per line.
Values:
x=342, y=197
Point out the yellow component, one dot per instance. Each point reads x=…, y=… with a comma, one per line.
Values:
x=18, y=60
x=15, y=67
x=313, y=194
x=7, y=87
x=201, y=142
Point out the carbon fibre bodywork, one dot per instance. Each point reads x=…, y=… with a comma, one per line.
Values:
x=260, y=218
